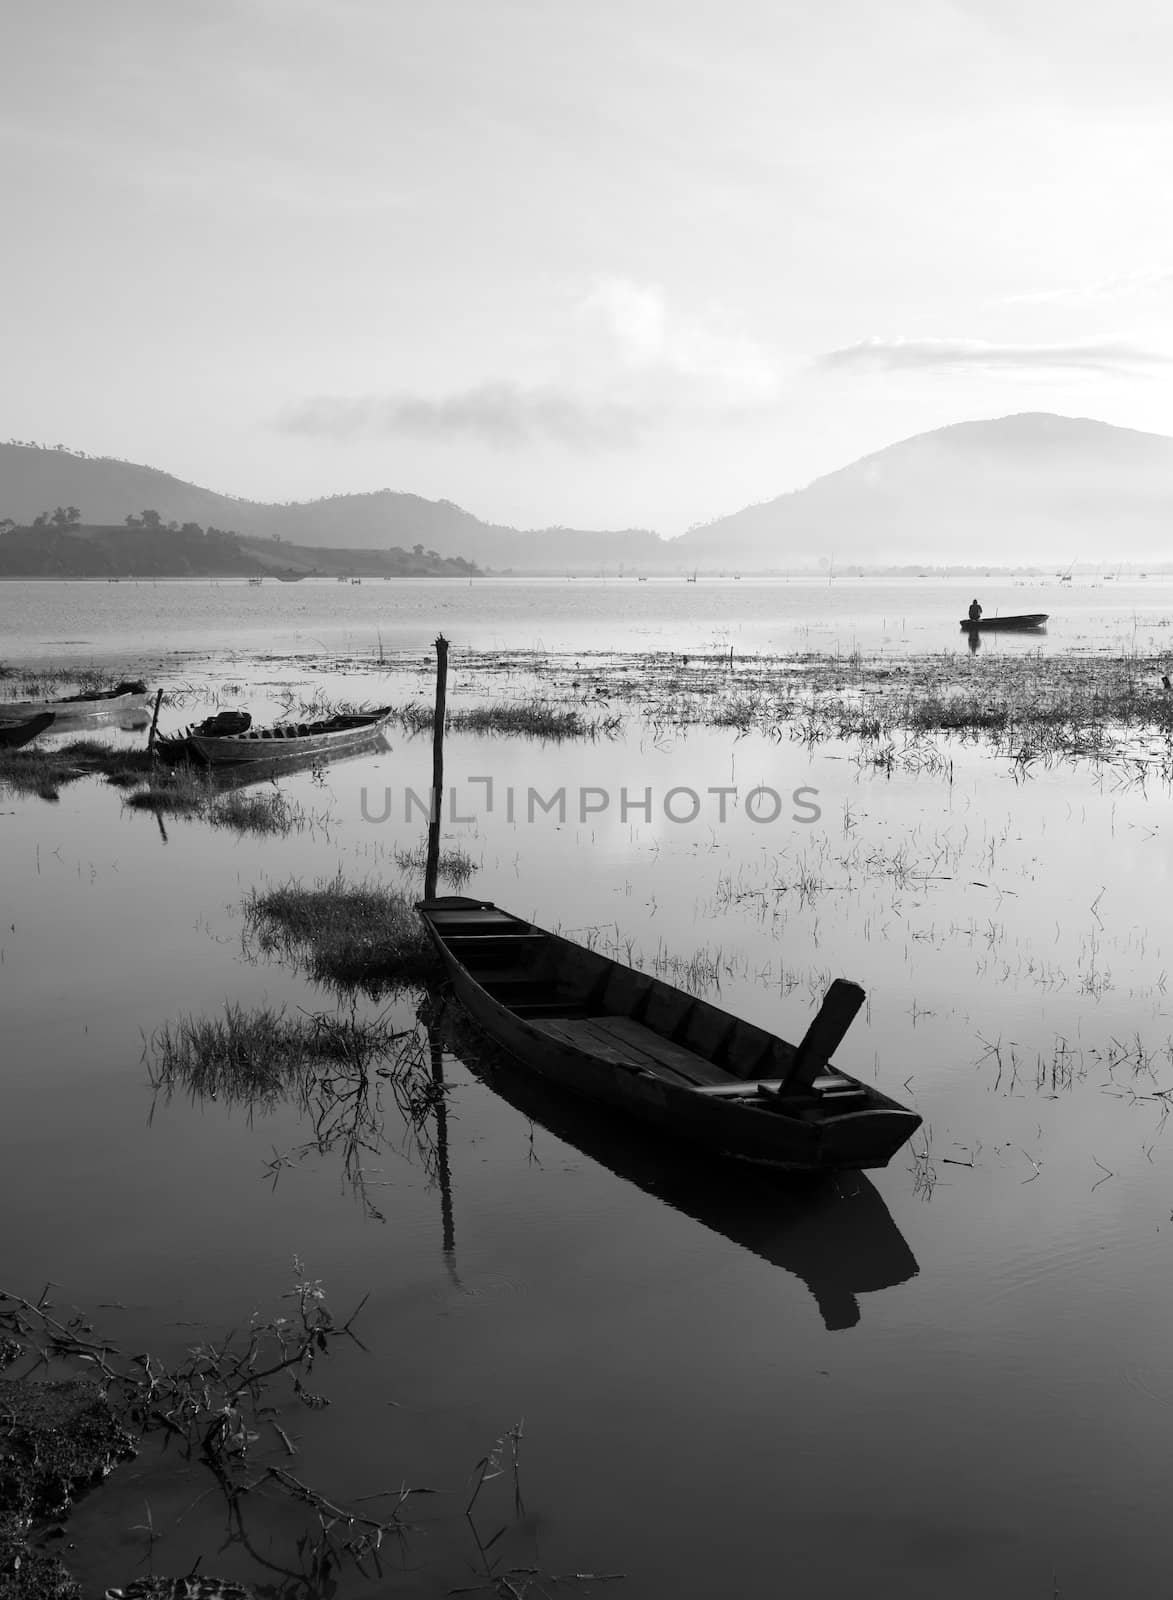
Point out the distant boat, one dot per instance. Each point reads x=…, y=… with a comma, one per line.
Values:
x=288, y=741
x=356, y=580
x=255, y=583
x=290, y=577
x=660, y=1056
x=15, y=734
x=72, y=708
x=1032, y=622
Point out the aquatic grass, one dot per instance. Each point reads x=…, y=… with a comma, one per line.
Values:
x=352, y=936
x=242, y=1055
x=217, y=1400
x=535, y=719
x=259, y=1056
x=42, y=769
x=1092, y=707
x=531, y=719
x=46, y=683
x=267, y=812
x=194, y=792
x=183, y=791
x=455, y=867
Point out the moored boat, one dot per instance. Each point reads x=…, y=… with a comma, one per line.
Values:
x=15, y=734
x=287, y=741
x=1030, y=622
x=74, y=707
x=838, y=1238
x=630, y=1041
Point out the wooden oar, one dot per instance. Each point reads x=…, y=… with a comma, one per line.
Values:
x=838, y=1011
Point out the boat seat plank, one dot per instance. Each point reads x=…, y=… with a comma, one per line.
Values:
x=583, y=1033
x=664, y=1052
x=621, y=1041
x=473, y=918
x=515, y=973
x=560, y=1010
x=828, y=1086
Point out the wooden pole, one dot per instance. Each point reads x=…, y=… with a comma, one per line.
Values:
x=443, y=1170
x=432, y=870
x=154, y=721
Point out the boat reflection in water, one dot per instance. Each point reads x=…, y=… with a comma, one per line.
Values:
x=834, y=1233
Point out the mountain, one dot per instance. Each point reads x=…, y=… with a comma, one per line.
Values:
x=1031, y=487
x=79, y=550
x=1018, y=489
x=34, y=479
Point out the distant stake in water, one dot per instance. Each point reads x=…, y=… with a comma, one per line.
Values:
x=432, y=869
x=154, y=721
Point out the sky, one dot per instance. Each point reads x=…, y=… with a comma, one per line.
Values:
x=631, y=263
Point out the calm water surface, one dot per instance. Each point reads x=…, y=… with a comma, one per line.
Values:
x=948, y=1378
x=103, y=621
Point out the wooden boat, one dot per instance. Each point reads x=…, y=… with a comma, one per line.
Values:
x=839, y=1239
x=15, y=734
x=674, y=1062
x=287, y=742
x=1032, y=622
x=74, y=707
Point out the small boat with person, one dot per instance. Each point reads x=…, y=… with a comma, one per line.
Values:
x=229, y=738
x=1030, y=622
x=676, y=1063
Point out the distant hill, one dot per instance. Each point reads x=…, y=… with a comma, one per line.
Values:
x=34, y=479
x=1033, y=487
x=80, y=550
x=1027, y=488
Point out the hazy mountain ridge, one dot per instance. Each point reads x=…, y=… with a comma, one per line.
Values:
x=1034, y=487
x=1028, y=487
x=116, y=551
x=34, y=479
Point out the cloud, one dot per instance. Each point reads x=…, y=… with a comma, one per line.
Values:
x=1119, y=288
x=698, y=358
x=501, y=414
x=975, y=356
x=623, y=363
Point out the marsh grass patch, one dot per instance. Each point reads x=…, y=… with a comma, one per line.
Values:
x=351, y=936
x=269, y=811
x=529, y=719
x=260, y=1056
x=455, y=866
x=42, y=770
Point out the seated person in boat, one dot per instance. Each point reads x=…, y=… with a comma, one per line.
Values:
x=975, y=612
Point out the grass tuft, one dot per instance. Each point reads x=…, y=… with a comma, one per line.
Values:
x=455, y=867
x=260, y=1057
x=351, y=936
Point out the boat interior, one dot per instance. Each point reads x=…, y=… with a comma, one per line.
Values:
x=584, y=1000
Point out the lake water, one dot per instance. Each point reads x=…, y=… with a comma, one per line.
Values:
x=111, y=621
x=948, y=1377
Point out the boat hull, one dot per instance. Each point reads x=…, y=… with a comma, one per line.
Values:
x=284, y=743
x=74, y=710
x=677, y=1064
x=15, y=734
x=838, y=1239
x=1033, y=622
